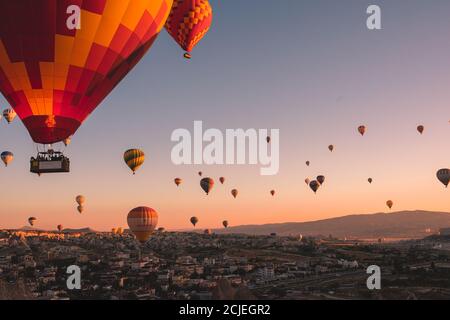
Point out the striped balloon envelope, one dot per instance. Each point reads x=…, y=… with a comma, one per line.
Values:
x=142, y=222
x=134, y=158
x=60, y=58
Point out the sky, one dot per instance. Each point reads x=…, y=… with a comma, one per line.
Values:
x=311, y=69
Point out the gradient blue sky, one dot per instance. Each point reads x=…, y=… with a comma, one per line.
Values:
x=309, y=68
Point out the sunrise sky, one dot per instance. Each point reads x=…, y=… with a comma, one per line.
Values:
x=309, y=68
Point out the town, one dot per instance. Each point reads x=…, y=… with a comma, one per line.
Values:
x=200, y=266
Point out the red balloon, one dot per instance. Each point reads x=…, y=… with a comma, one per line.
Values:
x=55, y=74
x=188, y=23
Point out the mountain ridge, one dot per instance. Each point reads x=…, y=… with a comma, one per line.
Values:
x=400, y=224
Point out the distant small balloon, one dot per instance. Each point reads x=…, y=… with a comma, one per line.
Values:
x=80, y=200
x=362, y=130
x=9, y=115
x=7, y=157
x=308, y=163
x=307, y=181
x=268, y=139
x=331, y=148
x=320, y=179
x=420, y=129
x=31, y=221
x=314, y=185
x=225, y=223
x=234, y=193
x=370, y=180
x=443, y=176
x=80, y=209
x=59, y=227
x=389, y=203
x=194, y=221
x=222, y=180
x=272, y=192
x=200, y=173
x=134, y=158
x=67, y=141
x=178, y=181
x=207, y=184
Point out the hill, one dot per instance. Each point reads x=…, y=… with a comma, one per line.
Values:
x=82, y=230
x=403, y=224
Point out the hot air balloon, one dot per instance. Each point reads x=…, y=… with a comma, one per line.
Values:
x=142, y=222
x=268, y=139
x=307, y=181
x=59, y=227
x=389, y=203
x=7, y=157
x=272, y=192
x=331, y=148
x=194, y=221
x=320, y=179
x=80, y=209
x=222, y=180
x=80, y=200
x=119, y=231
x=225, y=223
x=67, y=141
x=9, y=114
x=57, y=68
x=31, y=221
x=134, y=158
x=207, y=232
x=178, y=181
x=370, y=180
x=234, y=193
x=420, y=129
x=307, y=163
x=444, y=176
x=188, y=23
x=200, y=173
x=207, y=184
x=314, y=185
x=362, y=130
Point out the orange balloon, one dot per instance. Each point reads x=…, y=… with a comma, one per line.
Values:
x=142, y=222
x=188, y=22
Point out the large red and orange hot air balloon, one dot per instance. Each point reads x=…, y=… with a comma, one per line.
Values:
x=188, y=23
x=59, y=59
